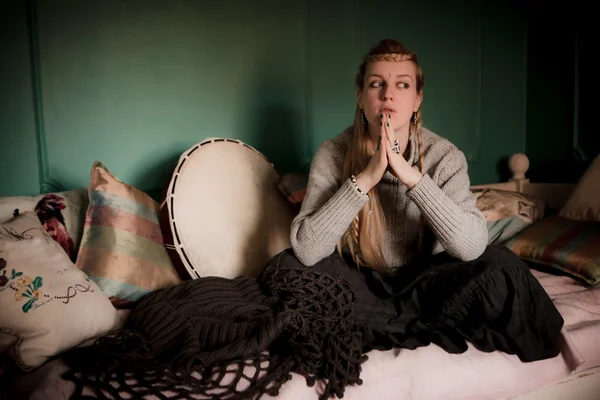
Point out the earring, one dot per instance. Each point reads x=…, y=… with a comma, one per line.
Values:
x=415, y=123
x=362, y=117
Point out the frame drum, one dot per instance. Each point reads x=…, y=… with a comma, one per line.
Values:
x=222, y=213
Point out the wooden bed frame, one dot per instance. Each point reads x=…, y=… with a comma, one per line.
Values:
x=555, y=194
x=581, y=385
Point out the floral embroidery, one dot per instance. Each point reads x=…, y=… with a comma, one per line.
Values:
x=4, y=280
x=28, y=288
x=24, y=281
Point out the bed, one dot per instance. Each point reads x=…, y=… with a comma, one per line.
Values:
x=429, y=373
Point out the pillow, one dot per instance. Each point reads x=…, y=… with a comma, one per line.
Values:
x=565, y=244
x=498, y=204
x=293, y=187
x=584, y=202
x=61, y=214
x=503, y=229
x=507, y=213
x=47, y=305
x=122, y=245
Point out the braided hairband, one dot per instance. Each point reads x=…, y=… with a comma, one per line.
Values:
x=391, y=57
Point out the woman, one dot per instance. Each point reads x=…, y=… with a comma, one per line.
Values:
x=388, y=193
x=387, y=190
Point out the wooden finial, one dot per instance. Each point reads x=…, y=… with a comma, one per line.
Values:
x=518, y=164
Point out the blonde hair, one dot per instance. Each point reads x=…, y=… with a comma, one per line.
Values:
x=364, y=237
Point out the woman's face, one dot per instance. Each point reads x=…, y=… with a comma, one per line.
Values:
x=390, y=87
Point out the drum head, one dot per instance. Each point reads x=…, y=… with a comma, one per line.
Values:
x=222, y=214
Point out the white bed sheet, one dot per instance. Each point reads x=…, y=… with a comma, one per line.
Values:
x=430, y=373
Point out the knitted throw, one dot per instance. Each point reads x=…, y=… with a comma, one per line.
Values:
x=216, y=338
x=214, y=325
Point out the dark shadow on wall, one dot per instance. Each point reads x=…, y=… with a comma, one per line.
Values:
x=277, y=118
x=275, y=124
x=154, y=180
x=503, y=171
x=278, y=135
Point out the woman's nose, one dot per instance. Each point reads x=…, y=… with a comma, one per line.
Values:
x=387, y=94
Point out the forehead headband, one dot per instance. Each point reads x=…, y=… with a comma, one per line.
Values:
x=391, y=57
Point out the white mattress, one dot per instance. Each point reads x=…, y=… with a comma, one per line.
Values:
x=430, y=373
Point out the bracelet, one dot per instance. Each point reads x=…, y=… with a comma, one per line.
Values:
x=353, y=179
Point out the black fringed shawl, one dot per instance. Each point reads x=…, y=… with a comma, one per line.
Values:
x=234, y=339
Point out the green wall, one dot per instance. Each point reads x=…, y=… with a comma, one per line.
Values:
x=135, y=83
x=19, y=169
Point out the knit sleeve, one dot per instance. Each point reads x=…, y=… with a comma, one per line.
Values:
x=328, y=208
x=450, y=208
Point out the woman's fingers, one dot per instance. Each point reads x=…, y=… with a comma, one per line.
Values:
x=389, y=130
x=385, y=123
x=384, y=148
x=383, y=145
x=391, y=134
x=385, y=131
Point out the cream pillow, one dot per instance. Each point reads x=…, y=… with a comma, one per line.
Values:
x=62, y=214
x=47, y=305
x=584, y=202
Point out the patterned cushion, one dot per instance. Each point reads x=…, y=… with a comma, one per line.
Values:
x=47, y=305
x=568, y=245
x=504, y=229
x=122, y=246
x=61, y=214
x=498, y=204
x=507, y=213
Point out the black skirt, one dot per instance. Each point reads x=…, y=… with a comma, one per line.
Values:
x=493, y=302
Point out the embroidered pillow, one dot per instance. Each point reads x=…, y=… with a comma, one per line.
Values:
x=61, y=215
x=122, y=246
x=507, y=213
x=47, y=305
x=562, y=243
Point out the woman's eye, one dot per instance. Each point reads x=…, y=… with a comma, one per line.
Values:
x=403, y=85
x=375, y=84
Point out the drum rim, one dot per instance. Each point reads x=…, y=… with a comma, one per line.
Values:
x=175, y=248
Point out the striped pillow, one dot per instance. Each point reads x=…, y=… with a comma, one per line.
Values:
x=568, y=245
x=122, y=246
